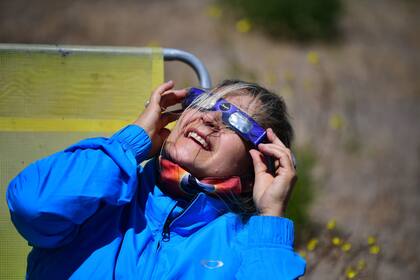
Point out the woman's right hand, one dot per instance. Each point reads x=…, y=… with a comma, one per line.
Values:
x=153, y=121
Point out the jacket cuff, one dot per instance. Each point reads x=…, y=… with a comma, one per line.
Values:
x=268, y=230
x=135, y=139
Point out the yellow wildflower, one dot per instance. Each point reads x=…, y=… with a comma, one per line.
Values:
x=243, y=25
x=350, y=272
x=331, y=224
x=361, y=264
x=346, y=247
x=312, y=244
x=336, y=241
x=303, y=254
x=374, y=250
x=336, y=121
x=214, y=11
x=371, y=240
x=312, y=57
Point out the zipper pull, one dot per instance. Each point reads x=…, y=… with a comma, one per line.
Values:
x=166, y=234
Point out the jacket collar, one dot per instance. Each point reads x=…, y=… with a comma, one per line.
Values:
x=192, y=216
x=202, y=210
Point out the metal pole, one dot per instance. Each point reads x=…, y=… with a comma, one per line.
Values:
x=191, y=60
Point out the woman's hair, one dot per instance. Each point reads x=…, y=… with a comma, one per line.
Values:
x=272, y=113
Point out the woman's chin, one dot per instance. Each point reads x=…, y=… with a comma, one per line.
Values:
x=189, y=165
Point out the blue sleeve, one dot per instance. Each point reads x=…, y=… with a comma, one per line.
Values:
x=270, y=254
x=51, y=198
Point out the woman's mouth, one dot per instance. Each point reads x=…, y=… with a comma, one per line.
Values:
x=198, y=139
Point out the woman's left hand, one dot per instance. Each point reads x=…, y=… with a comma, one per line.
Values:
x=272, y=191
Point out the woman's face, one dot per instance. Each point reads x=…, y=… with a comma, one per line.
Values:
x=202, y=144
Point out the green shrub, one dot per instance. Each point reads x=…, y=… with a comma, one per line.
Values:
x=298, y=19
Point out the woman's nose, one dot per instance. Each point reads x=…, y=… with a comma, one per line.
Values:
x=213, y=119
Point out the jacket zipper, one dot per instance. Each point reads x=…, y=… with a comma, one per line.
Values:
x=159, y=245
x=166, y=231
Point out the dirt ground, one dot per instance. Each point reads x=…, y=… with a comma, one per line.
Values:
x=355, y=102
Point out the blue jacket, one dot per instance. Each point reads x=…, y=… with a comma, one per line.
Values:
x=92, y=212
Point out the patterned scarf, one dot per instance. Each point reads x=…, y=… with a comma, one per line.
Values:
x=177, y=182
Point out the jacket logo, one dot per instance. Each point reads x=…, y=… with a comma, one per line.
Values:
x=211, y=264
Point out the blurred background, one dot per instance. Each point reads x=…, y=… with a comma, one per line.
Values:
x=349, y=72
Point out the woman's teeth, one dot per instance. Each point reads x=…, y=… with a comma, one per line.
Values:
x=198, y=138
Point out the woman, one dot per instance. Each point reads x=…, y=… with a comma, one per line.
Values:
x=206, y=206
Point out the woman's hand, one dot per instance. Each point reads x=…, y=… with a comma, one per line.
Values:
x=153, y=121
x=271, y=192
